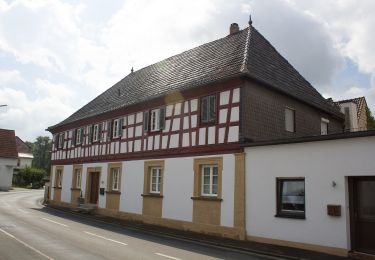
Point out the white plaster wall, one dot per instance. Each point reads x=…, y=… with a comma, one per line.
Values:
x=320, y=163
x=52, y=181
x=178, y=185
x=66, y=183
x=6, y=172
x=132, y=187
x=352, y=114
x=227, y=189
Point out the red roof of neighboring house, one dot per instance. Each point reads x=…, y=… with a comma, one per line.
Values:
x=8, y=148
x=22, y=147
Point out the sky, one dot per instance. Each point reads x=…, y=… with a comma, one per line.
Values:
x=56, y=56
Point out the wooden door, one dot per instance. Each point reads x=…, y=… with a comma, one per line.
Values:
x=363, y=214
x=94, y=187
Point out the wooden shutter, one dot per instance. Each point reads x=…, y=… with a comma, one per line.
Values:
x=120, y=124
x=74, y=137
x=82, y=136
x=91, y=133
x=146, y=121
x=109, y=130
x=204, y=109
x=212, y=109
x=162, y=118
x=100, y=131
x=57, y=141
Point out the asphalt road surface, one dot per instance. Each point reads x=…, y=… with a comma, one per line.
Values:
x=28, y=230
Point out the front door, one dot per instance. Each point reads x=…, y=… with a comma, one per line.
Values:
x=363, y=214
x=94, y=187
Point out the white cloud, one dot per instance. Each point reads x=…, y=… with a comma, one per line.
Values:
x=10, y=77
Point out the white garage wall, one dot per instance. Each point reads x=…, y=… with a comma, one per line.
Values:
x=132, y=187
x=320, y=163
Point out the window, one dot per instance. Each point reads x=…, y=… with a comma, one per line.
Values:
x=60, y=142
x=209, y=180
x=155, y=179
x=95, y=133
x=79, y=133
x=208, y=109
x=291, y=197
x=155, y=119
x=117, y=127
x=115, y=172
x=78, y=174
x=290, y=120
x=324, y=126
x=58, y=178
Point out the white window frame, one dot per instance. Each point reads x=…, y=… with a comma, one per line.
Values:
x=59, y=178
x=95, y=133
x=324, y=122
x=116, y=128
x=79, y=136
x=157, y=172
x=115, y=172
x=78, y=174
x=61, y=140
x=211, y=184
x=154, y=120
x=292, y=128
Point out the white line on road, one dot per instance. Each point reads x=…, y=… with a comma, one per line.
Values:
x=23, y=211
x=55, y=222
x=167, y=256
x=25, y=244
x=115, y=241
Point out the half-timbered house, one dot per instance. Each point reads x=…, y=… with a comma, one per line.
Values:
x=163, y=145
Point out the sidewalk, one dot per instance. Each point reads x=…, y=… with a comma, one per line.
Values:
x=226, y=243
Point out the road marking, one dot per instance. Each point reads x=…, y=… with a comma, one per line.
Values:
x=167, y=256
x=108, y=239
x=26, y=245
x=23, y=211
x=55, y=222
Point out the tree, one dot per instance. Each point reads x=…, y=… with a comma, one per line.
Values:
x=370, y=119
x=29, y=177
x=42, y=153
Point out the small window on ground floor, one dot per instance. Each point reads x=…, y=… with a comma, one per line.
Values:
x=58, y=178
x=291, y=197
x=209, y=180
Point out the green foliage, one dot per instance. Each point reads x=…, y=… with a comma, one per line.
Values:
x=370, y=120
x=42, y=153
x=29, y=177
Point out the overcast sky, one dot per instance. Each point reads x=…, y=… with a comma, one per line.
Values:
x=55, y=56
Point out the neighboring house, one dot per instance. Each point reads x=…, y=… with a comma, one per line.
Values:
x=8, y=158
x=355, y=113
x=167, y=145
x=25, y=154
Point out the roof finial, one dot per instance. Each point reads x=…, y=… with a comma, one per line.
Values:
x=250, y=21
x=132, y=70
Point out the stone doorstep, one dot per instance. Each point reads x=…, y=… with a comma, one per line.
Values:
x=360, y=256
x=86, y=208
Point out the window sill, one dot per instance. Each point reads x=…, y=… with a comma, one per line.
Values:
x=55, y=187
x=207, y=198
x=155, y=195
x=294, y=216
x=75, y=188
x=113, y=192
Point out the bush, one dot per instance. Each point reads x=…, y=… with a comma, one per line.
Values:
x=29, y=177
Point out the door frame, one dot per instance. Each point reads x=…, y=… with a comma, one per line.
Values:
x=89, y=172
x=352, y=209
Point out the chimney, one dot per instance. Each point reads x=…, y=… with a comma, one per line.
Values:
x=234, y=28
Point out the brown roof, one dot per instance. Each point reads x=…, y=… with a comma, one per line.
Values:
x=8, y=148
x=359, y=101
x=22, y=147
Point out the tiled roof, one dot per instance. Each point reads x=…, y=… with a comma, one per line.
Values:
x=359, y=101
x=246, y=53
x=22, y=147
x=8, y=147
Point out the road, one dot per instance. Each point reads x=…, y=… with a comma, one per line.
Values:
x=28, y=230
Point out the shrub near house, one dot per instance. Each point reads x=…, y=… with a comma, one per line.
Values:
x=29, y=177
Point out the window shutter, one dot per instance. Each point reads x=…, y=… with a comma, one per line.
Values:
x=56, y=141
x=204, y=108
x=74, y=137
x=82, y=136
x=121, y=123
x=109, y=130
x=91, y=132
x=146, y=121
x=162, y=118
x=212, y=109
x=100, y=131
